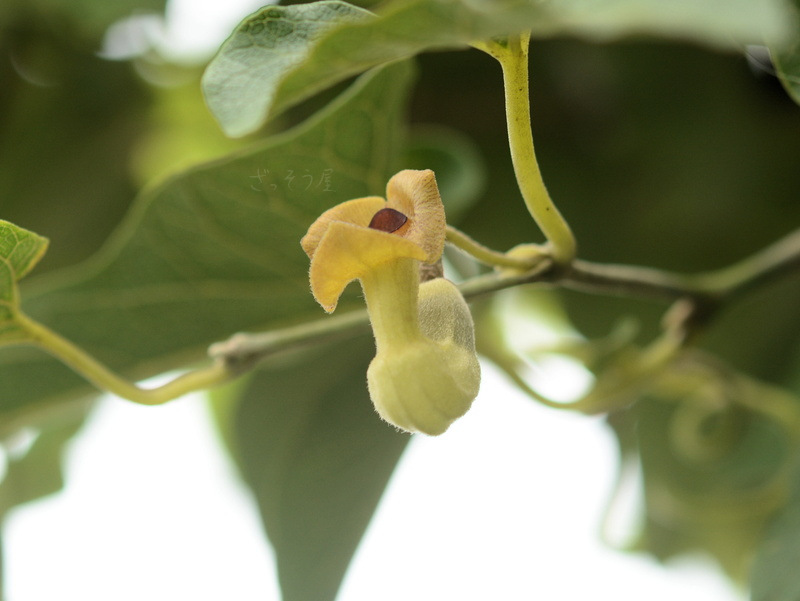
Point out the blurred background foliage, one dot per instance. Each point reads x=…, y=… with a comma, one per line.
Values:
x=658, y=153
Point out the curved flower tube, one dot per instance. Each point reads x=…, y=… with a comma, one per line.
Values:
x=425, y=373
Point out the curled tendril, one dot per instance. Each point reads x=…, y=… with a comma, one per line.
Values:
x=718, y=412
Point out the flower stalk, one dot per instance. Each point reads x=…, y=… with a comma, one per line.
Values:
x=101, y=376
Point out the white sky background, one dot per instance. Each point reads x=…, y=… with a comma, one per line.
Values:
x=506, y=505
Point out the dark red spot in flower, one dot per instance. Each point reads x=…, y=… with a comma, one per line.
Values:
x=388, y=220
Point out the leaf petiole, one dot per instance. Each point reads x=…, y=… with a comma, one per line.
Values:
x=105, y=379
x=488, y=256
x=513, y=57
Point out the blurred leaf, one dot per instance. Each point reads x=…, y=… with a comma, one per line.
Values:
x=222, y=404
x=318, y=458
x=241, y=81
x=20, y=250
x=774, y=575
x=180, y=132
x=786, y=58
x=68, y=121
x=761, y=335
x=709, y=485
x=457, y=162
x=360, y=3
x=214, y=250
x=34, y=469
x=407, y=27
x=649, y=175
x=89, y=18
x=37, y=472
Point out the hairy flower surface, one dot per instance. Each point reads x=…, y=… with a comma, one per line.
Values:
x=342, y=246
x=425, y=373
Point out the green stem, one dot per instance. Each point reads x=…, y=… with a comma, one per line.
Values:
x=487, y=256
x=596, y=278
x=632, y=280
x=107, y=380
x=759, y=269
x=242, y=351
x=513, y=58
x=780, y=257
x=513, y=374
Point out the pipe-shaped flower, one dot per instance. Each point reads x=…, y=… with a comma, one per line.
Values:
x=355, y=237
x=425, y=373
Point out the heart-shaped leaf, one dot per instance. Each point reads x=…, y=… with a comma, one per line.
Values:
x=318, y=458
x=241, y=82
x=282, y=55
x=214, y=250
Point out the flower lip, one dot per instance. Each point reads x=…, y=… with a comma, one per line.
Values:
x=357, y=236
x=415, y=194
x=388, y=220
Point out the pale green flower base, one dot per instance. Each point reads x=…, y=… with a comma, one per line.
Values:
x=425, y=384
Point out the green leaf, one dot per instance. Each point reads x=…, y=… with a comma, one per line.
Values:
x=86, y=152
x=20, y=250
x=457, y=162
x=241, y=81
x=214, y=250
x=786, y=57
x=38, y=471
x=318, y=458
x=686, y=508
x=89, y=18
x=774, y=575
x=404, y=28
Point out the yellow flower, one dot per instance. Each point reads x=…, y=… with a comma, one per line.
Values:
x=425, y=373
x=356, y=236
